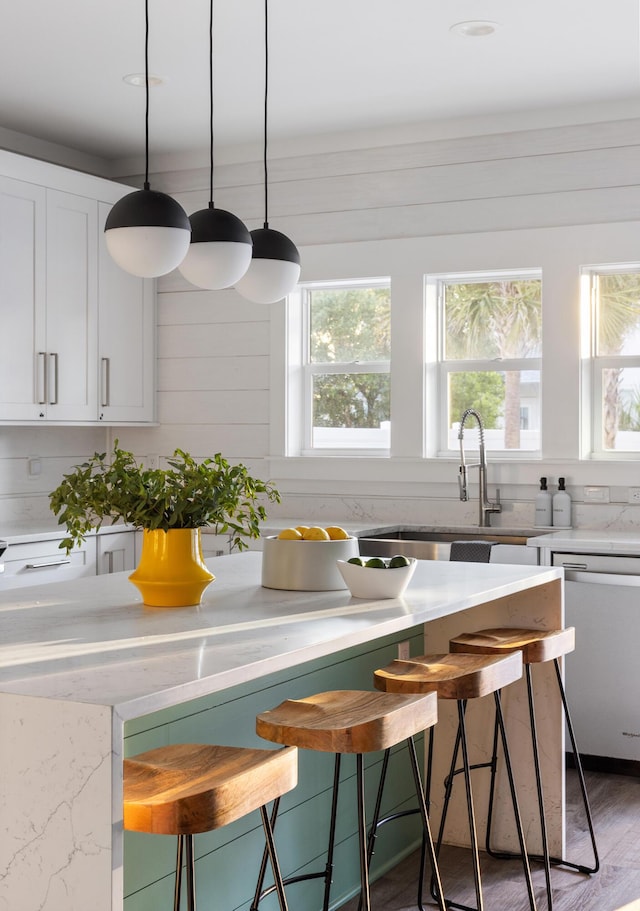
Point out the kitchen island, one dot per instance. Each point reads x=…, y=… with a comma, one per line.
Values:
x=78, y=661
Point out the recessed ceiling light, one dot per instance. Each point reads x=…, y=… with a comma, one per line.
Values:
x=138, y=79
x=474, y=28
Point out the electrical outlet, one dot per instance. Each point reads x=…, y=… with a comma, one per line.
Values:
x=596, y=494
x=153, y=461
x=34, y=467
x=634, y=495
x=404, y=651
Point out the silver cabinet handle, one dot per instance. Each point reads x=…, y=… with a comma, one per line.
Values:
x=45, y=565
x=106, y=382
x=54, y=360
x=42, y=378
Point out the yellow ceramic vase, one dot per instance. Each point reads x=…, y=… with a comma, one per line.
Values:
x=171, y=571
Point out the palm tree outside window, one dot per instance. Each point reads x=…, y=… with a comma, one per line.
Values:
x=614, y=359
x=490, y=356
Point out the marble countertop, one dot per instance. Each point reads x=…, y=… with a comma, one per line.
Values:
x=26, y=531
x=610, y=541
x=92, y=641
x=362, y=529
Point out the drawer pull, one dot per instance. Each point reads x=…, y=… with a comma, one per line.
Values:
x=45, y=565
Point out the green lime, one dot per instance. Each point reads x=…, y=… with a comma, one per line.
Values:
x=376, y=563
x=358, y=561
x=398, y=560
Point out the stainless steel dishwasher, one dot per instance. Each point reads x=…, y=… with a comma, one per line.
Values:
x=602, y=602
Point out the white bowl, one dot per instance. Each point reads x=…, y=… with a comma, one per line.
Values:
x=372, y=582
x=305, y=565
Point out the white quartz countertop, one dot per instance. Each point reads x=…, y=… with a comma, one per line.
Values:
x=92, y=641
x=364, y=529
x=595, y=541
x=27, y=531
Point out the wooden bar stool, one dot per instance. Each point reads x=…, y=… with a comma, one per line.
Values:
x=358, y=722
x=537, y=646
x=184, y=789
x=461, y=677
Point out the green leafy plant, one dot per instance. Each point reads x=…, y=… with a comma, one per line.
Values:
x=187, y=494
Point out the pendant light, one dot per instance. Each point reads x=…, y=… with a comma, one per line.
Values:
x=220, y=249
x=147, y=233
x=275, y=261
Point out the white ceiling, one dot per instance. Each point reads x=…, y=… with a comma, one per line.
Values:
x=335, y=66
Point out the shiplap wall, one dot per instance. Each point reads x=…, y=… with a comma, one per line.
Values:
x=214, y=348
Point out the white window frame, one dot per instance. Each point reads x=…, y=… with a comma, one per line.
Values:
x=594, y=364
x=435, y=292
x=309, y=370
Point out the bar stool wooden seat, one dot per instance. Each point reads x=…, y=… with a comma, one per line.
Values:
x=185, y=789
x=536, y=647
x=460, y=677
x=356, y=722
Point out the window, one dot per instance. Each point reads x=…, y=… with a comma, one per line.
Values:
x=346, y=365
x=613, y=311
x=490, y=347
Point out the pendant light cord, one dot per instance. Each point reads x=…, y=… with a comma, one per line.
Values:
x=146, y=88
x=266, y=96
x=211, y=105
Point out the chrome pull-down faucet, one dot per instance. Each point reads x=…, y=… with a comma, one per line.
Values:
x=485, y=507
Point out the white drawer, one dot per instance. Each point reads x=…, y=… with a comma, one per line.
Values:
x=42, y=562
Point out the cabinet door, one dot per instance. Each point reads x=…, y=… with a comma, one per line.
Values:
x=126, y=339
x=22, y=300
x=42, y=562
x=72, y=307
x=116, y=552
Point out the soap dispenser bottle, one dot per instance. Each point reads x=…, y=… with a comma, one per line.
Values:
x=561, y=506
x=543, y=506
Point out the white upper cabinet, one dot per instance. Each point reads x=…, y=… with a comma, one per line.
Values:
x=77, y=334
x=126, y=335
x=22, y=299
x=72, y=307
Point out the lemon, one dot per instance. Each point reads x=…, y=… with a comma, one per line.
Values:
x=302, y=528
x=336, y=533
x=315, y=533
x=290, y=534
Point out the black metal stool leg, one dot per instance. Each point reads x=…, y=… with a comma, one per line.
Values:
x=423, y=849
x=545, y=857
x=427, y=838
x=273, y=857
x=259, y=893
x=177, y=887
x=536, y=763
x=448, y=787
x=514, y=800
x=191, y=873
x=326, y=874
x=422, y=809
x=365, y=897
x=582, y=868
x=461, y=742
x=328, y=871
x=376, y=822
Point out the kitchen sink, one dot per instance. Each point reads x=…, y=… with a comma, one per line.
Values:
x=509, y=547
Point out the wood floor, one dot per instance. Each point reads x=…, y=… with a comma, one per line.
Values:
x=615, y=802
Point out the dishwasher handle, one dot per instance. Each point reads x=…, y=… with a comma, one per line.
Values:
x=591, y=578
